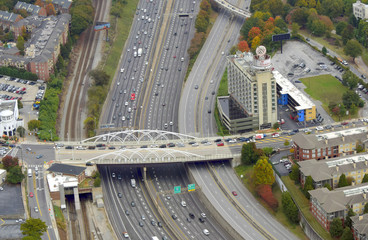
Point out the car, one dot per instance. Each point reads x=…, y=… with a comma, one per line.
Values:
x=213, y=93
x=307, y=39
x=39, y=156
x=165, y=125
x=220, y=144
x=203, y=215
x=206, y=232
x=171, y=145
x=183, y=203
x=292, y=133
x=69, y=147
x=234, y=193
x=275, y=135
x=319, y=128
x=141, y=224
x=159, y=224
x=31, y=194
x=196, y=87
x=125, y=234
x=120, y=195
x=195, y=145
x=328, y=127
x=174, y=216
x=189, y=220
x=345, y=123
x=132, y=204
x=127, y=212
x=201, y=219
x=122, y=70
x=119, y=177
x=153, y=223
x=162, y=146
x=126, y=104
x=28, y=149
x=363, y=76
x=36, y=209
x=143, y=217
x=132, y=96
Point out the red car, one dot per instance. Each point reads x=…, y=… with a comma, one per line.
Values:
x=344, y=123
x=234, y=193
x=220, y=144
x=31, y=194
x=132, y=97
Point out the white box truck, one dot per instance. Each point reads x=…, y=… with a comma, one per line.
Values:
x=29, y=172
x=140, y=52
x=132, y=182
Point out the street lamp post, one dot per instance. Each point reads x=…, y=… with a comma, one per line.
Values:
x=50, y=134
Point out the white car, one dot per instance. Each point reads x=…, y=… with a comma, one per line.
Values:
x=129, y=110
x=123, y=118
x=203, y=215
x=232, y=141
x=36, y=209
x=126, y=235
x=183, y=203
x=126, y=103
x=122, y=70
x=134, y=48
x=319, y=128
x=118, y=83
x=171, y=123
x=195, y=145
x=206, y=232
x=165, y=125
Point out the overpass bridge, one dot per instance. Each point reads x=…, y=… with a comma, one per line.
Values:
x=234, y=9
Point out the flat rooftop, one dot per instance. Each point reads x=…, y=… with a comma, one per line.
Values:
x=66, y=181
x=289, y=88
x=345, y=132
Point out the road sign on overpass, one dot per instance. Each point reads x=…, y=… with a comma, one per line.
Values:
x=191, y=187
x=177, y=189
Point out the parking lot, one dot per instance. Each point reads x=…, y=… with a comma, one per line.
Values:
x=299, y=60
x=280, y=162
x=17, y=88
x=11, y=203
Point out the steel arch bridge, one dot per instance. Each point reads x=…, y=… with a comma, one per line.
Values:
x=146, y=155
x=138, y=136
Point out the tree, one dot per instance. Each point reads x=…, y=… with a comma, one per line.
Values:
x=21, y=130
x=20, y=104
x=34, y=125
x=349, y=98
x=347, y=234
x=324, y=50
x=50, y=9
x=336, y=228
x=295, y=172
x=340, y=27
x=100, y=77
x=256, y=42
x=33, y=227
x=20, y=44
x=276, y=125
x=348, y=222
x=308, y=185
x=97, y=182
x=265, y=192
x=365, y=178
x=263, y=172
x=365, y=208
x=353, y=48
x=328, y=186
x=286, y=143
x=201, y=23
x=347, y=33
x=343, y=182
x=249, y=153
x=267, y=151
x=289, y=207
x=243, y=46
x=15, y=175
x=9, y=161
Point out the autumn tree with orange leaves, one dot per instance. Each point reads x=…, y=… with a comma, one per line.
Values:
x=50, y=9
x=243, y=46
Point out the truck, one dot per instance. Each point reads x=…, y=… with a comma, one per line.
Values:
x=259, y=136
x=132, y=182
x=140, y=52
x=29, y=172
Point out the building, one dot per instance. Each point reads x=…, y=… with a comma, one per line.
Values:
x=9, y=117
x=7, y=19
x=360, y=226
x=360, y=10
x=328, y=145
x=30, y=8
x=329, y=171
x=326, y=205
x=62, y=6
x=43, y=48
x=68, y=170
x=2, y=176
x=252, y=89
x=289, y=95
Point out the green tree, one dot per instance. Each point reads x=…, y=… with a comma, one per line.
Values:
x=34, y=125
x=263, y=172
x=343, y=182
x=295, y=172
x=340, y=27
x=276, y=125
x=324, y=50
x=15, y=175
x=348, y=221
x=349, y=98
x=347, y=34
x=33, y=227
x=249, y=153
x=100, y=77
x=328, y=186
x=20, y=44
x=289, y=207
x=267, y=151
x=201, y=23
x=21, y=130
x=20, y=104
x=97, y=182
x=365, y=178
x=308, y=185
x=336, y=228
x=353, y=48
x=347, y=234
x=365, y=208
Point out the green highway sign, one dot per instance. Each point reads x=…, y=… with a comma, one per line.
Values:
x=177, y=189
x=191, y=187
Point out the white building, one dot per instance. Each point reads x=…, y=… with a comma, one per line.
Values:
x=360, y=10
x=2, y=176
x=9, y=117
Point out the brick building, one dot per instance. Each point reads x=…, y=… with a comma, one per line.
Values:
x=327, y=205
x=328, y=145
x=360, y=226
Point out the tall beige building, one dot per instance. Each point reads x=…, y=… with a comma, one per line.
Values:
x=252, y=85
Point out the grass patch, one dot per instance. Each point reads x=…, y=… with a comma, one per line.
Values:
x=60, y=220
x=1, y=166
x=326, y=88
x=247, y=172
x=222, y=91
x=223, y=88
x=85, y=183
x=303, y=204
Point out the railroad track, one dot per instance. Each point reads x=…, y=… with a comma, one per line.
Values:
x=76, y=104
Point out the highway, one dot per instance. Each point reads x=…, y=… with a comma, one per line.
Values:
x=123, y=216
x=199, y=95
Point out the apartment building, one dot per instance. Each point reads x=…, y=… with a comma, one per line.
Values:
x=7, y=19
x=329, y=171
x=252, y=88
x=360, y=10
x=328, y=145
x=360, y=226
x=30, y=8
x=326, y=205
x=62, y=6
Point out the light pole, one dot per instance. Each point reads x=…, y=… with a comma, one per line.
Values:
x=50, y=134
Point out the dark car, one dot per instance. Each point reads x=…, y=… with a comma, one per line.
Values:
x=174, y=216
x=202, y=220
x=171, y=145
x=217, y=140
x=191, y=215
x=91, y=147
x=162, y=146
x=159, y=224
x=100, y=145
